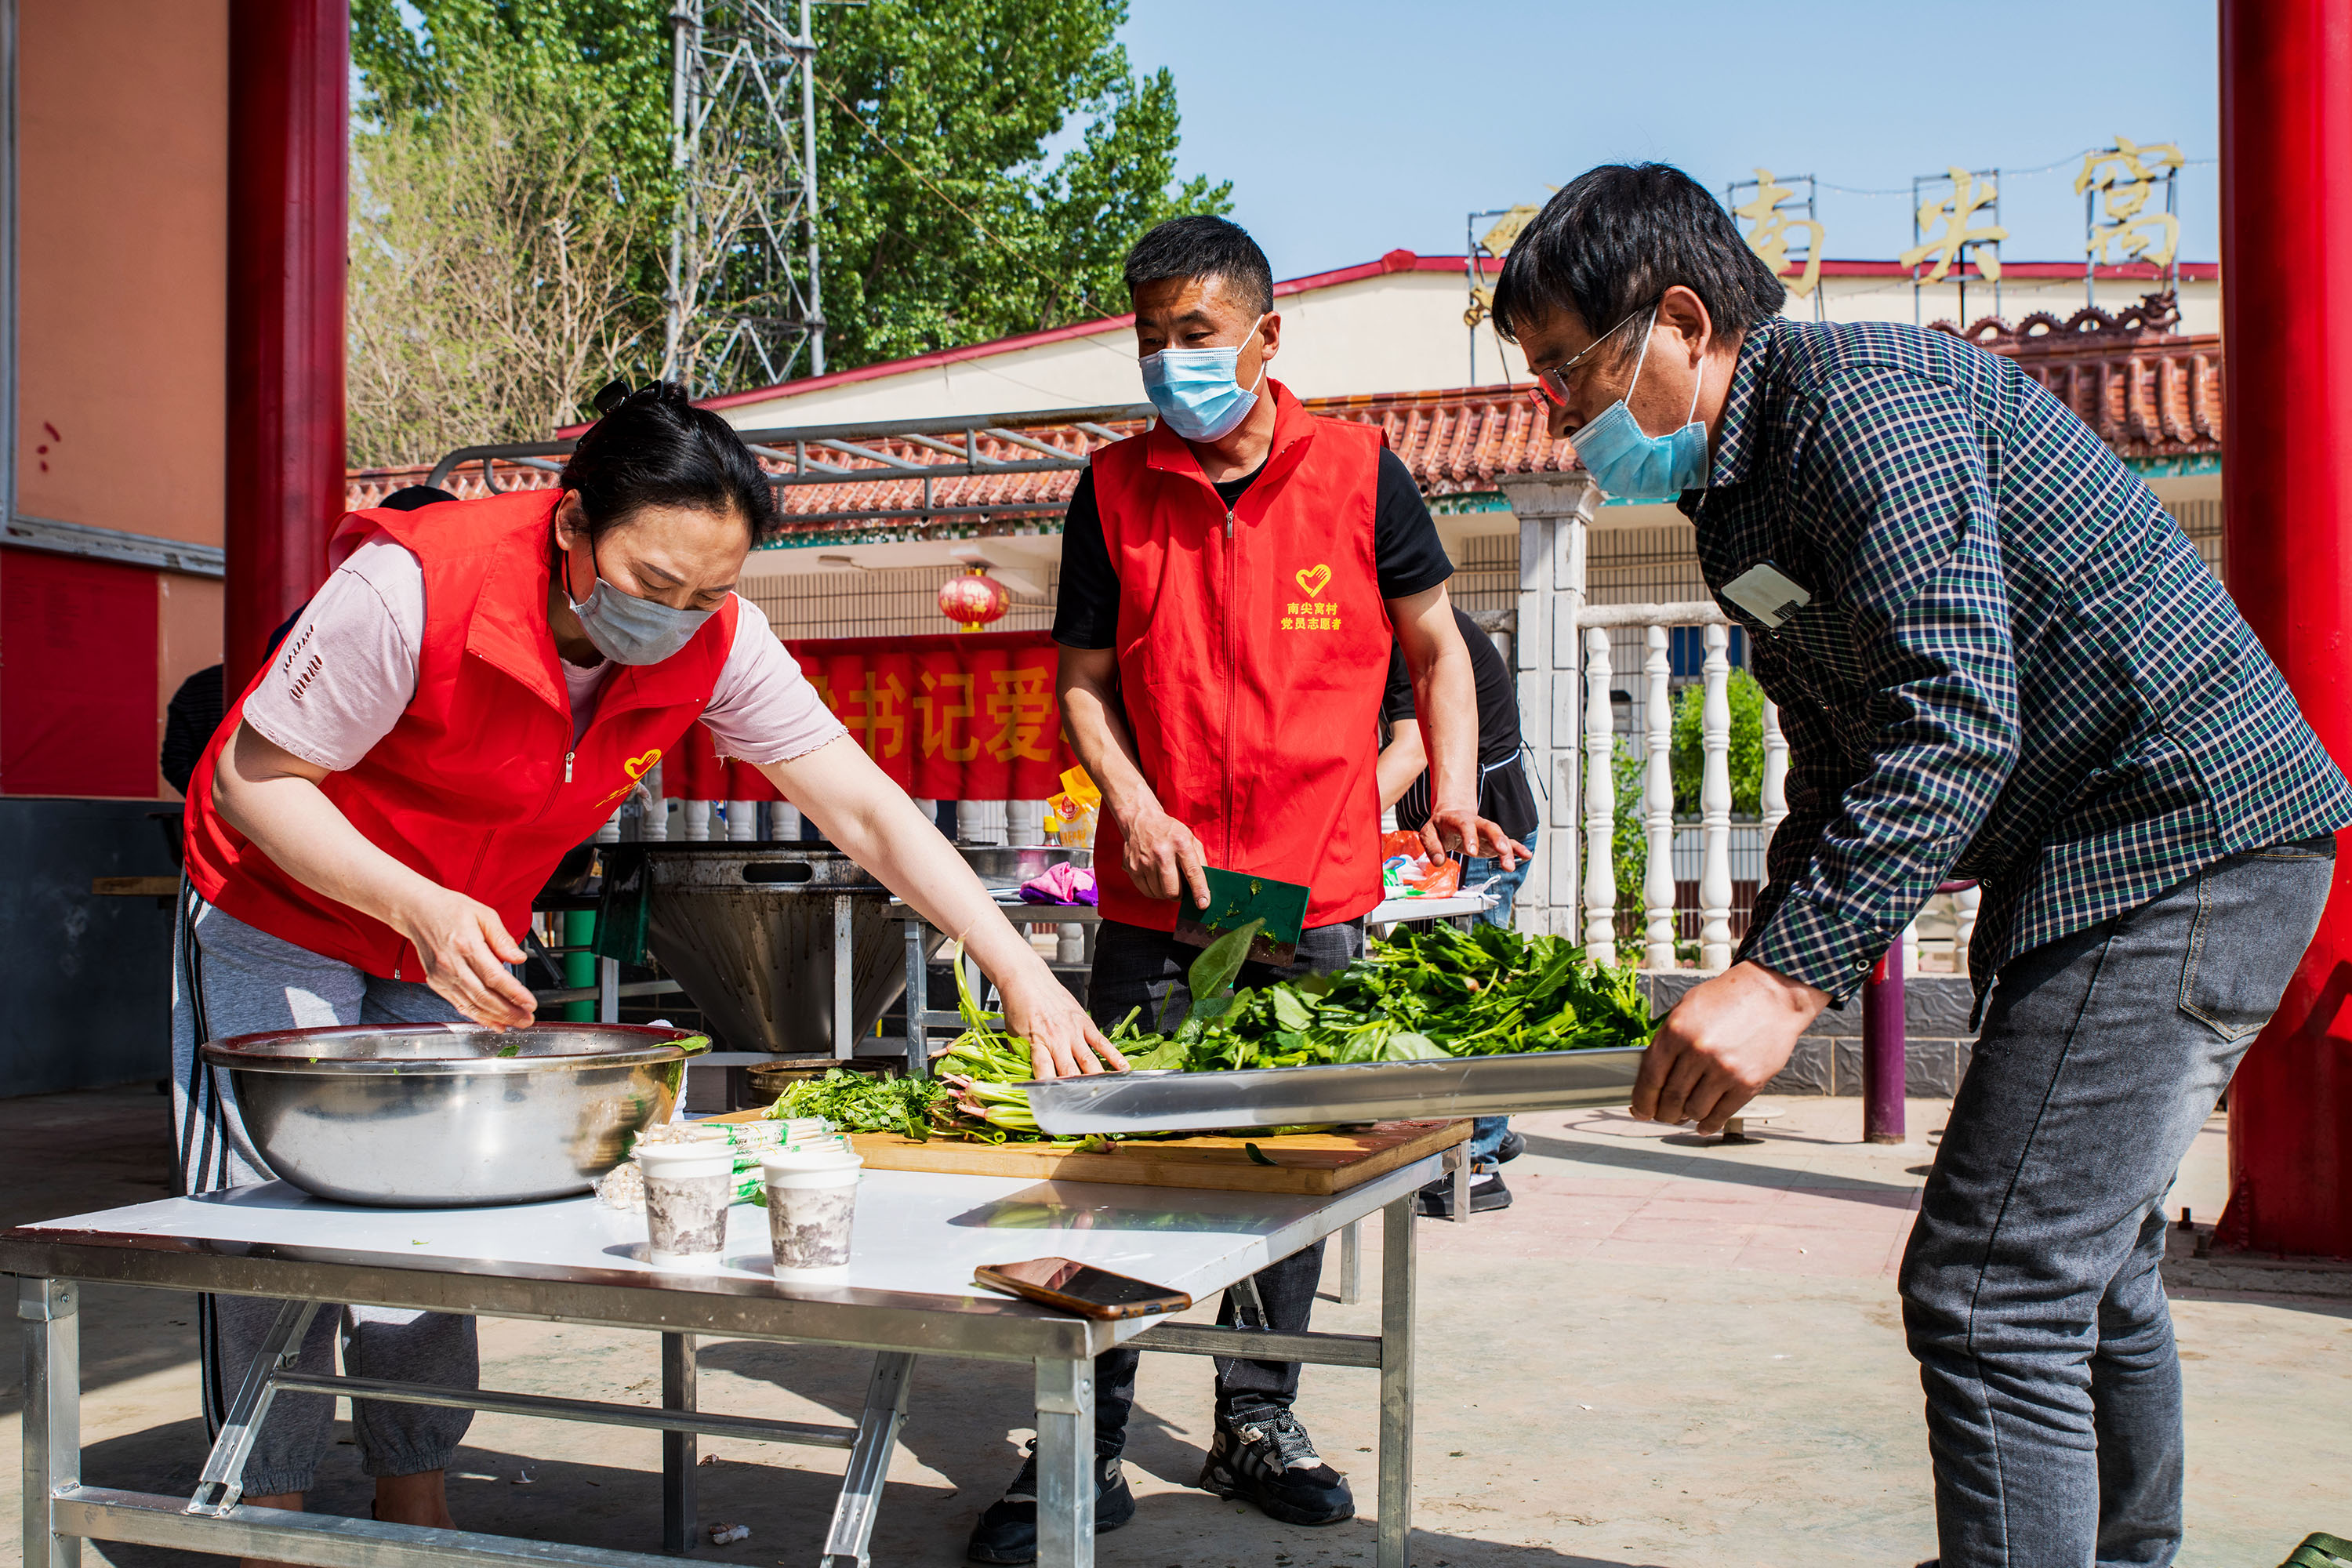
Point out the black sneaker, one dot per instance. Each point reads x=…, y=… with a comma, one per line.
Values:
x=1487, y=1193
x=1007, y=1530
x=1510, y=1148
x=1265, y=1458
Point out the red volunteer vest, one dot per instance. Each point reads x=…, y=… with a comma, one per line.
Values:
x=479, y=785
x=1253, y=649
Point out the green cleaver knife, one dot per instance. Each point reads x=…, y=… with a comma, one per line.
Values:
x=1235, y=898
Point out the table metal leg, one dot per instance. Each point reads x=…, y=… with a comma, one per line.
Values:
x=50, y=1311
x=223, y=1483
x=1396, y=1384
x=1066, y=1464
x=919, y=1003
x=1351, y=1263
x=1457, y=1160
x=681, y=1451
x=869, y=1462
x=844, y=1020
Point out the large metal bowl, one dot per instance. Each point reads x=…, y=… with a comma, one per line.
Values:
x=445, y=1115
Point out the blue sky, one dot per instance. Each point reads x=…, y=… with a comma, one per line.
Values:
x=1351, y=128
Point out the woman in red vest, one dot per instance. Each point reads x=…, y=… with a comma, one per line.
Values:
x=474, y=690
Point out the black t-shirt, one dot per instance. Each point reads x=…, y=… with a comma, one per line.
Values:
x=1406, y=552
x=1504, y=797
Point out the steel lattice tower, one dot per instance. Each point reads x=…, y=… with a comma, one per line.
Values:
x=743, y=293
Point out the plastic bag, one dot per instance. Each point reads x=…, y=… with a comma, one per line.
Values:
x=1071, y=816
x=1408, y=872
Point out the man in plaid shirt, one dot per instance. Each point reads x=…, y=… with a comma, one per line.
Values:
x=1996, y=657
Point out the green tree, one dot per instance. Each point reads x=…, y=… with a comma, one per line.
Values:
x=943, y=222
x=943, y=218
x=490, y=273
x=1688, y=756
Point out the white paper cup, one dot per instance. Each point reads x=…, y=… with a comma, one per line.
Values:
x=688, y=1189
x=811, y=1208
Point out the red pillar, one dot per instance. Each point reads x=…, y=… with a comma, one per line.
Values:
x=289, y=64
x=2286, y=271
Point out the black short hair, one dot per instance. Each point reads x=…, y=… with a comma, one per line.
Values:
x=1616, y=237
x=653, y=447
x=409, y=498
x=1203, y=247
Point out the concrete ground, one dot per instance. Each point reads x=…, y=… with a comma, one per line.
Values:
x=1668, y=1351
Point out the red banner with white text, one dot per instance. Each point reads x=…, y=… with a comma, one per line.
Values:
x=963, y=716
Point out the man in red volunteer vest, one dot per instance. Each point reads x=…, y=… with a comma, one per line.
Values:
x=1231, y=580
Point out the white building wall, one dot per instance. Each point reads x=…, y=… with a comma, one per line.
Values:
x=1396, y=332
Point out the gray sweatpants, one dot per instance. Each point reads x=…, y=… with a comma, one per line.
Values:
x=229, y=978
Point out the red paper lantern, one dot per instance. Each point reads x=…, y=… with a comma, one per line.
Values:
x=974, y=600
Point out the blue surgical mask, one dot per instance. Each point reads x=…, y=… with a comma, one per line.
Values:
x=1632, y=465
x=627, y=629
x=1197, y=391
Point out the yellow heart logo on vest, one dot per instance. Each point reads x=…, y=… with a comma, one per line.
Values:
x=638, y=768
x=1311, y=579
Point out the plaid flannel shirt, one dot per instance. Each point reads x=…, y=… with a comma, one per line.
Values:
x=2014, y=667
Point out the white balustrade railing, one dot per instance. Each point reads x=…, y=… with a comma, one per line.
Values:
x=654, y=824
x=1964, y=925
x=1715, y=805
x=1599, y=802
x=1658, y=810
x=1714, y=881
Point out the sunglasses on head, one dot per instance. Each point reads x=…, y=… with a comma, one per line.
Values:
x=1550, y=389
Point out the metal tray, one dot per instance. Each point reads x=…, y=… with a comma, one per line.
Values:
x=1358, y=1091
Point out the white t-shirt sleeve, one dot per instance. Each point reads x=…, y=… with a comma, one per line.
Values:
x=346, y=672
x=764, y=710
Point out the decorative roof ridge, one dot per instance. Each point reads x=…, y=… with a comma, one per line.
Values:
x=2154, y=323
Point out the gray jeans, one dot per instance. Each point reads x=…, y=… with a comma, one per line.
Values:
x=2031, y=1290
x=230, y=979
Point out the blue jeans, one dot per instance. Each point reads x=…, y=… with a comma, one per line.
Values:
x=2030, y=1291
x=1487, y=1131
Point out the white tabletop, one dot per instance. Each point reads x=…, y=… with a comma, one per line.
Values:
x=916, y=1233
x=1393, y=912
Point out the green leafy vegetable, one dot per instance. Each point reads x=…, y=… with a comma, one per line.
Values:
x=860, y=1102
x=1427, y=993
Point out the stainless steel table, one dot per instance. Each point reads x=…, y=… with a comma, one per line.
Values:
x=908, y=1296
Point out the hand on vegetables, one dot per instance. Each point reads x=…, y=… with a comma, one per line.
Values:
x=1063, y=1041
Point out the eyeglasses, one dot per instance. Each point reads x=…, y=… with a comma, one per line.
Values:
x=1550, y=389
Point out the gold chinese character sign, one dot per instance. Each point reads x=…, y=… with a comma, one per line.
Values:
x=2120, y=181
x=1771, y=230
x=1946, y=222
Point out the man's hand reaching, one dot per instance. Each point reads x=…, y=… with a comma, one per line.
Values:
x=1461, y=830
x=1721, y=1044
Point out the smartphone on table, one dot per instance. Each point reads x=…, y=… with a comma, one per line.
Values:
x=1080, y=1287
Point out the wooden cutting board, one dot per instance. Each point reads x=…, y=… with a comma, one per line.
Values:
x=1315, y=1163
